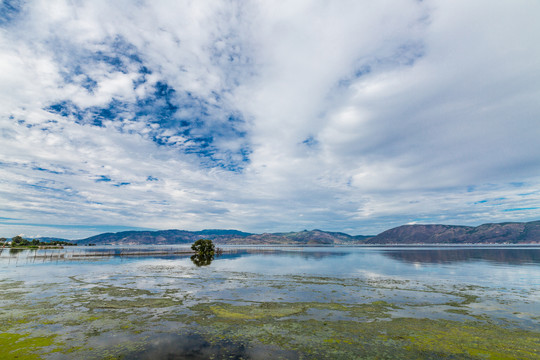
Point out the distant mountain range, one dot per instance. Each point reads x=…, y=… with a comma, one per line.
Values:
x=169, y=237
x=499, y=233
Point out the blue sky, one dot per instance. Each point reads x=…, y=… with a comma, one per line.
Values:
x=352, y=116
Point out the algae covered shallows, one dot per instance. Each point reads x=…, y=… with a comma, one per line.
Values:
x=153, y=307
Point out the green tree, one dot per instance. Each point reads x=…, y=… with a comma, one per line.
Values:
x=205, y=250
x=19, y=241
x=203, y=247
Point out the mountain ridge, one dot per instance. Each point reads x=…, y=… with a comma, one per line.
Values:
x=171, y=237
x=489, y=233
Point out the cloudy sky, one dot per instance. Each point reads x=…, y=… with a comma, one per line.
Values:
x=267, y=116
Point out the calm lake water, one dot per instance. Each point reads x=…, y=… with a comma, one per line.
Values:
x=272, y=302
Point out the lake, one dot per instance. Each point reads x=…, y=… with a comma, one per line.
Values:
x=455, y=302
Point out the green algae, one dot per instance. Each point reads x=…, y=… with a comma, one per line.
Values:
x=408, y=338
x=10, y=284
x=26, y=347
x=22, y=316
x=467, y=299
x=96, y=314
x=374, y=310
x=116, y=291
x=8, y=323
x=470, y=339
x=12, y=290
x=458, y=311
x=84, y=314
x=106, y=296
x=256, y=311
x=153, y=303
x=368, y=311
x=368, y=329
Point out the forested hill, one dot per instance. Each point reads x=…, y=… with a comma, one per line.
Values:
x=498, y=233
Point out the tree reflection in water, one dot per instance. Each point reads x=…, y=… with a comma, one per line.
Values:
x=202, y=260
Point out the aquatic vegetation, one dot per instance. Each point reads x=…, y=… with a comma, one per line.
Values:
x=410, y=337
x=131, y=304
x=27, y=347
x=12, y=290
x=471, y=339
x=174, y=307
x=116, y=291
x=254, y=311
x=12, y=295
x=9, y=321
x=10, y=284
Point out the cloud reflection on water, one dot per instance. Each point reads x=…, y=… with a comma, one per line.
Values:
x=491, y=266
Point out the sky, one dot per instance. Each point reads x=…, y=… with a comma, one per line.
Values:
x=267, y=116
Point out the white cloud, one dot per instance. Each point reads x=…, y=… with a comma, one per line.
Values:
x=355, y=116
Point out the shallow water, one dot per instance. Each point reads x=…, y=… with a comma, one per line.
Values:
x=272, y=302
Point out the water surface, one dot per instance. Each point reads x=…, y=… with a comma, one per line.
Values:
x=260, y=302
